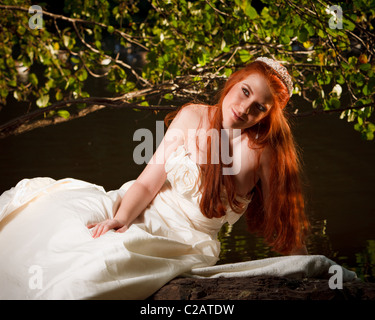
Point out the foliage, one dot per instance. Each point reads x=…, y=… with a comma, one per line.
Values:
x=366, y=262
x=190, y=48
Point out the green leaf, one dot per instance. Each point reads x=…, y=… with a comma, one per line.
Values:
x=228, y=72
x=322, y=34
x=130, y=85
x=352, y=60
x=365, y=66
x=303, y=35
x=121, y=73
x=223, y=44
x=21, y=30
x=247, y=8
x=98, y=44
x=168, y=96
x=371, y=84
x=59, y=95
x=365, y=90
x=30, y=53
x=250, y=11
x=85, y=94
x=371, y=126
x=335, y=103
x=70, y=82
x=42, y=101
x=369, y=135
x=340, y=79
x=310, y=29
x=110, y=29
x=357, y=127
x=49, y=84
x=349, y=25
x=12, y=83
x=63, y=113
x=75, y=60
x=202, y=59
x=4, y=92
x=10, y=62
x=284, y=39
x=244, y=55
x=81, y=74
x=360, y=121
x=66, y=40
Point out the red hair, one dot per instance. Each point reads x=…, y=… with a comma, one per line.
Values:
x=281, y=221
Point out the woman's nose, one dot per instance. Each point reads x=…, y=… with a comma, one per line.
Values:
x=245, y=108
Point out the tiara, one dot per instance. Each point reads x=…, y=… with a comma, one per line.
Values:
x=281, y=71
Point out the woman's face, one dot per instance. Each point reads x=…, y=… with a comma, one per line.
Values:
x=246, y=103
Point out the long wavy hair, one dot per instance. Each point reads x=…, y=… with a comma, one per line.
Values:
x=280, y=220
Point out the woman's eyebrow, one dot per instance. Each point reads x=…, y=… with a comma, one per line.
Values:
x=248, y=86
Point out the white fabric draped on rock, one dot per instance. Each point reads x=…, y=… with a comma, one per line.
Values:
x=305, y=266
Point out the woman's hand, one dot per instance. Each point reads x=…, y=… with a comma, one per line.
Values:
x=102, y=227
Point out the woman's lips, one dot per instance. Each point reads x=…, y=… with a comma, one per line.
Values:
x=236, y=116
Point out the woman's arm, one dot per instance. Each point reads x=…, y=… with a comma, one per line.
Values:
x=149, y=182
x=135, y=200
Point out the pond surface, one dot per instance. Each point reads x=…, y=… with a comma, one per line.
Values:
x=338, y=169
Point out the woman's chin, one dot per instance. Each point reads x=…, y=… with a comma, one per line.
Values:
x=232, y=125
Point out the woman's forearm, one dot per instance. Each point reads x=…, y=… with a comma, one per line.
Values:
x=135, y=200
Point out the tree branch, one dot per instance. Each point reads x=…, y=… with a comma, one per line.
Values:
x=321, y=111
x=217, y=10
x=24, y=123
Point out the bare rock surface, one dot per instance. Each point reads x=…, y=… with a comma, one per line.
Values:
x=262, y=288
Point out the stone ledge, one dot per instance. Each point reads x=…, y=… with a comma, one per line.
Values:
x=262, y=288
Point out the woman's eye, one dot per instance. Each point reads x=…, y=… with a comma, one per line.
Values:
x=245, y=91
x=261, y=108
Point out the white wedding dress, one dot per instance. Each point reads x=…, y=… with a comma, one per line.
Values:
x=47, y=252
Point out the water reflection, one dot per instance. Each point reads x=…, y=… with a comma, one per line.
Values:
x=240, y=246
x=365, y=261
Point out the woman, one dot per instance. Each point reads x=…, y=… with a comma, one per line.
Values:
x=252, y=101
x=167, y=220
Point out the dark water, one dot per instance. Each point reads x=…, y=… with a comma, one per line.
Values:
x=338, y=165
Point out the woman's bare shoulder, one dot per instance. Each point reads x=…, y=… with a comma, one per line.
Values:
x=195, y=109
x=191, y=115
